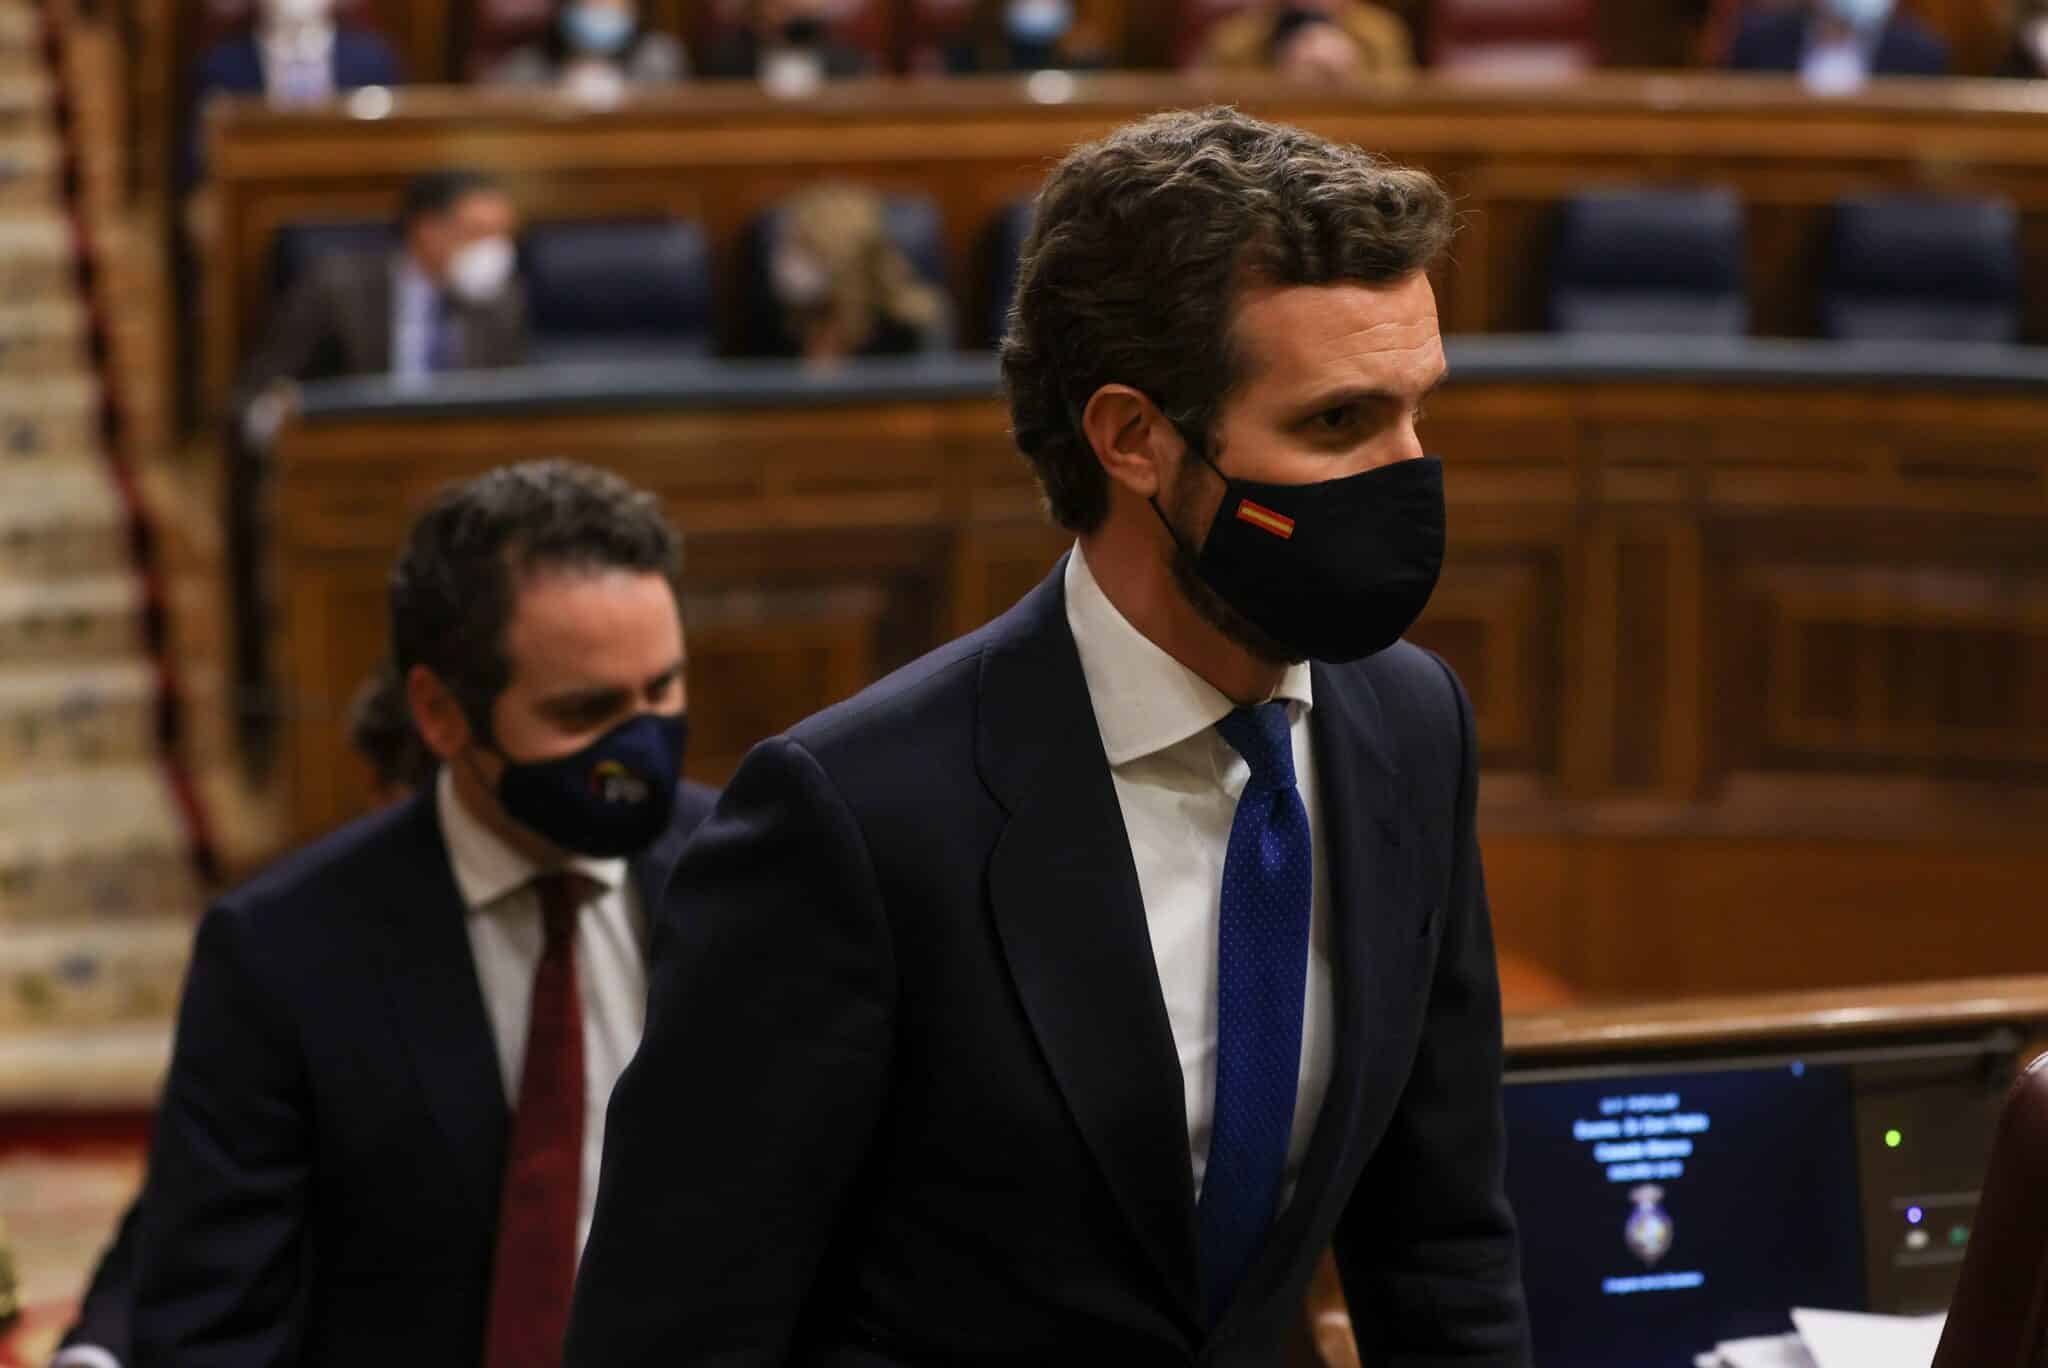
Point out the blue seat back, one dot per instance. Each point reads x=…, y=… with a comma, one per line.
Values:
x=298, y=247
x=1916, y=267
x=618, y=287
x=1660, y=261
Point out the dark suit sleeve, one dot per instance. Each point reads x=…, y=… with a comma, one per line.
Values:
x=103, y=1313
x=223, y=1229
x=738, y=1129
x=1427, y=1246
x=1751, y=49
x=302, y=343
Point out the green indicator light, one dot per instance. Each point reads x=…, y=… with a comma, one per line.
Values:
x=1958, y=1236
x=1893, y=1139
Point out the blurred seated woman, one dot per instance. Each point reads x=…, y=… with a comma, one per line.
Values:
x=1312, y=42
x=843, y=287
x=594, y=52
x=1024, y=35
x=2026, y=57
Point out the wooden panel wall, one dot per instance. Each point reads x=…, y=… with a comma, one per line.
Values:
x=723, y=155
x=1761, y=674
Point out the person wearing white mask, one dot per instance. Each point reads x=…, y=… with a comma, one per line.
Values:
x=2027, y=58
x=1834, y=46
x=293, y=54
x=445, y=300
x=789, y=47
x=594, y=53
x=1026, y=35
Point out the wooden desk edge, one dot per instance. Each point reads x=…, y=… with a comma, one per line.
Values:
x=1819, y=1015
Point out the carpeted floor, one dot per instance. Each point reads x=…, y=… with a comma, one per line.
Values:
x=58, y=1211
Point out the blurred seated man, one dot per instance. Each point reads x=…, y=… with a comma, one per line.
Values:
x=787, y=45
x=1023, y=35
x=844, y=288
x=446, y=299
x=1317, y=42
x=386, y=1102
x=294, y=55
x=2027, y=57
x=594, y=52
x=1837, y=45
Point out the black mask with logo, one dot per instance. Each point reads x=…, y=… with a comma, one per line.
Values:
x=1332, y=571
x=614, y=797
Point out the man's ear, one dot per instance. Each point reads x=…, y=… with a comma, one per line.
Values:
x=1131, y=437
x=436, y=714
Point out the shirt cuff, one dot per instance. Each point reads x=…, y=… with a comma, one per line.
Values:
x=84, y=1356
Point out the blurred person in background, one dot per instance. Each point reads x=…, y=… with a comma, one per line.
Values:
x=446, y=299
x=294, y=54
x=596, y=50
x=1837, y=45
x=844, y=288
x=1024, y=35
x=788, y=46
x=386, y=1101
x=1315, y=42
x=2027, y=58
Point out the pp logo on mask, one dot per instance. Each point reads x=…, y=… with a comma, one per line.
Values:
x=1265, y=519
x=612, y=782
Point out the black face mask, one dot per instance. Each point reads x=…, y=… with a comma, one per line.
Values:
x=803, y=31
x=612, y=798
x=1332, y=571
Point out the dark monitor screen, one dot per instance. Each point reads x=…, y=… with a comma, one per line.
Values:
x=1662, y=1214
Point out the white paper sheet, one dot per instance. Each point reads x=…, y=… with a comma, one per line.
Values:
x=1765, y=1351
x=1847, y=1339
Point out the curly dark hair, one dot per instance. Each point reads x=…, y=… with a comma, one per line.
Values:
x=453, y=589
x=1143, y=243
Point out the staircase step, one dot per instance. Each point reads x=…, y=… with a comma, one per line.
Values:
x=46, y=340
x=30, y=168
x=48, y=420
x=71, y=620
x=102, y=846
x=66, y=523
x=116, y=1067
x=76, y=718
x=71, y=977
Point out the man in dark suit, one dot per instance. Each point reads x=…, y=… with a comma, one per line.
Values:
x=1063, y=996
x=1837, y=44
x=445, y=299
x=378, y=1140
x=294, y=54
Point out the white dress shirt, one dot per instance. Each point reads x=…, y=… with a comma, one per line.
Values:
x=1177, y=782
x=298, y=64
x=415, y=301
x=505, y=936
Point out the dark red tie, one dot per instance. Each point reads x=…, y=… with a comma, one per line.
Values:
x=534, y=1269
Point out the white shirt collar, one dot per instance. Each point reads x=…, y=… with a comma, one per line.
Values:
x=298, y=42
x=1145, y=700
x=486, y=868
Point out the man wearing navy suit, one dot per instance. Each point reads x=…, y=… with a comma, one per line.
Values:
x=295, y=54
x=379, y=1137
x=1064, y=996
x=1837, y=44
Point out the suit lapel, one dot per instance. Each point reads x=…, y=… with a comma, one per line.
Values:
x=1068, y=910
x=1372, y=937
x=430, y=975
x=377, y=305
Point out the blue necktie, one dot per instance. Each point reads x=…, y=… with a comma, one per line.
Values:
x=444, y=339
x=1262, y=981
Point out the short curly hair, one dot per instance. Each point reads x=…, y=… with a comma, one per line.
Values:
x=1141, y=246
x=456, y=583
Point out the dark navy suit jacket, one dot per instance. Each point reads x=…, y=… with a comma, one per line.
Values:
x=1777, y=42
x=323, y=1182
x=233, y=67
x=908, y=1093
